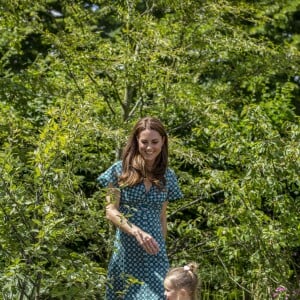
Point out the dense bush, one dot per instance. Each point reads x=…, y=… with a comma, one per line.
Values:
x=224, y=78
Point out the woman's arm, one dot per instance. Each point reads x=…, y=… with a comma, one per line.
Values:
x=113, y=214
x=163, y=219
x=146, y=241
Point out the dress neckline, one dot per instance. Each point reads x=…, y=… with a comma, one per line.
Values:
x=147, y=184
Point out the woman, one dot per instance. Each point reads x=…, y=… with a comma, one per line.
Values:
x=139, y=189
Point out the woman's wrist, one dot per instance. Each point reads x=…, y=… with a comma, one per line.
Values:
x=134, y=230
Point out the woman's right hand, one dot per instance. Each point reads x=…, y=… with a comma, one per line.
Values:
x=146, y=241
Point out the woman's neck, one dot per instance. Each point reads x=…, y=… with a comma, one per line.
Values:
x=149, y=166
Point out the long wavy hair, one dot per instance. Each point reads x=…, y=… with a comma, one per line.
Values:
x=134, y=166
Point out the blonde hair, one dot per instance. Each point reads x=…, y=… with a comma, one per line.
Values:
x=185, y=278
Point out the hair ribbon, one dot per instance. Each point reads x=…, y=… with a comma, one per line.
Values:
x=186, y=268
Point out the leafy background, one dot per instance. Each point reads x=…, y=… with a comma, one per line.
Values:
x=223, y=76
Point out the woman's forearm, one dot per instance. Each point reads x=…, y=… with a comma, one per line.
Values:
x=163, y=219
x=119, y=220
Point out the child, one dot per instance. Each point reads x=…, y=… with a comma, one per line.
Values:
x=181, y=283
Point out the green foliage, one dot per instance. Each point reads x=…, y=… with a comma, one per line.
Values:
x=53, y=235
x=224, y=78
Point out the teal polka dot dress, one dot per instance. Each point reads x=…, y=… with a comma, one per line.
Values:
x=133, y=274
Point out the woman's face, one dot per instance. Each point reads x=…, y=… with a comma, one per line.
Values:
x=150, y=143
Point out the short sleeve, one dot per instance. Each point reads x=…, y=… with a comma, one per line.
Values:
x=111, y=175
x=173, y=188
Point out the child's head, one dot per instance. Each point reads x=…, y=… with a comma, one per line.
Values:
x=181, y=283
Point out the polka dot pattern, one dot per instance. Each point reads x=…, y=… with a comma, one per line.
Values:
x=133, y=274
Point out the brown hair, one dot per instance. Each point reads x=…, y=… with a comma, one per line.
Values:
x=134, y=168
x=185, y=278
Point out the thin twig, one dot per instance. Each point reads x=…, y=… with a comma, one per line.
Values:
x=226, y=270
x=193, y=202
